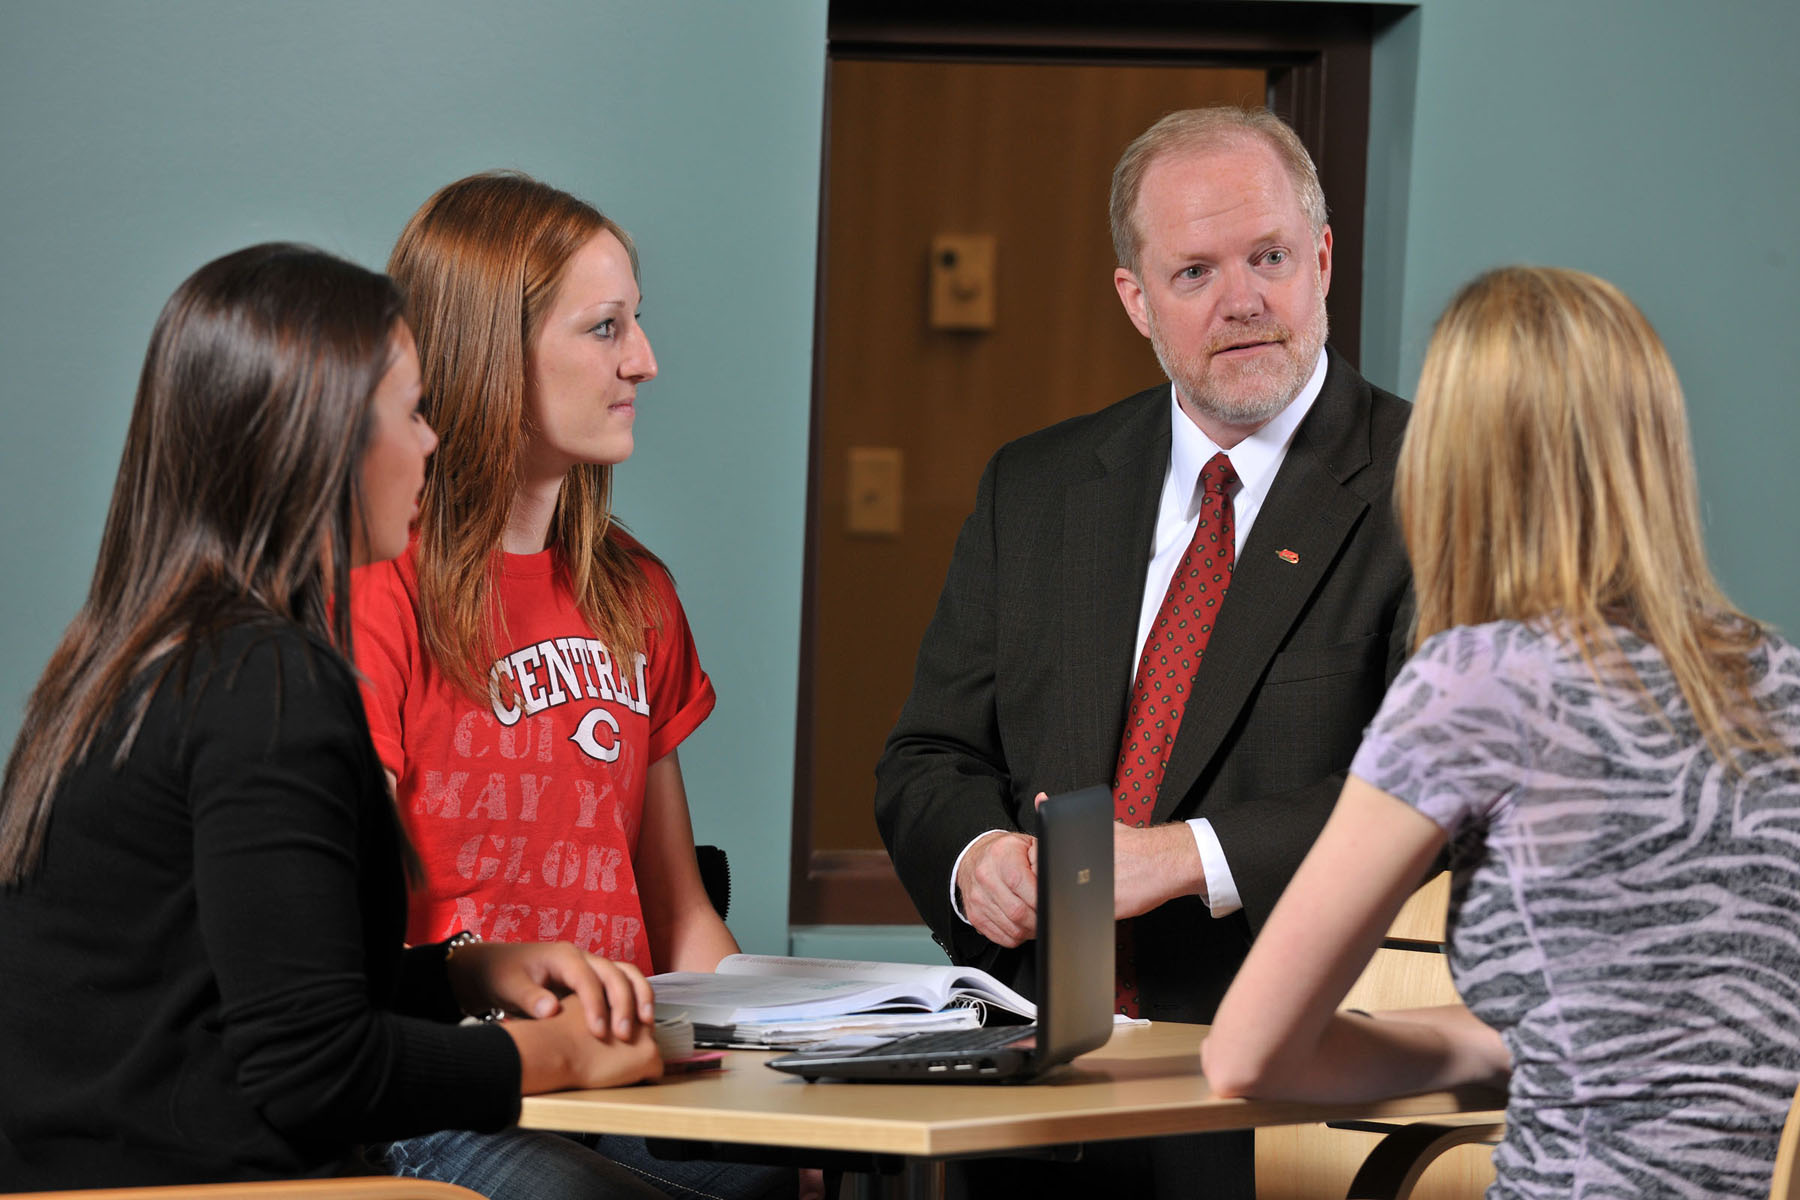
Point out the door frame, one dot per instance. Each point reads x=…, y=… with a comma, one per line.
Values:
x=1317, y=56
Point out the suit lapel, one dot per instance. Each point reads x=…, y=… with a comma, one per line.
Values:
x=1109, y=520
x=1308, y=514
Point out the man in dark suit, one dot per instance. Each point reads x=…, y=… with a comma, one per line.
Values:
x=1251, y=497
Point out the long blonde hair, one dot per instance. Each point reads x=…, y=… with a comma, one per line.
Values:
x=480, y=263
x=1547, y=477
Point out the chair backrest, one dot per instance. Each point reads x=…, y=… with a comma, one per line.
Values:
x=1410, y=970
x=715, y=877
x=1787, y=1158
x=1304, y=1162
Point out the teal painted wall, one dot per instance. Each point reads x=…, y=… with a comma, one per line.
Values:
x=139, y=140
x=1652, y=142
x=1656, y=142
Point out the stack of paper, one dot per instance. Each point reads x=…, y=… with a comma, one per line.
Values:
x=769, y=1000
x=674, y=1037
x=795, y=1034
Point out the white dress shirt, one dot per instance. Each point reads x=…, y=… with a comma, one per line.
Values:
x=1256, y=460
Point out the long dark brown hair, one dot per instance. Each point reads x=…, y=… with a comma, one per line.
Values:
x=480, y=263
x=235, y=497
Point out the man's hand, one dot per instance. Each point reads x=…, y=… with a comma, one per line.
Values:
x=998, y=885
x=1153, y=866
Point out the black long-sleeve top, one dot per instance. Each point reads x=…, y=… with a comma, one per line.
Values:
x=204, y=978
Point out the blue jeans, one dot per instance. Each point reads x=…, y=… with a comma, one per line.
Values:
x=524, y=1164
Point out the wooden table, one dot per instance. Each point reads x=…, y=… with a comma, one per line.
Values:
x=1146, y=1081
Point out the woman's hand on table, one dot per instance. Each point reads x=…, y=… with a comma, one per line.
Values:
x=531, y=979
x=560, y=1052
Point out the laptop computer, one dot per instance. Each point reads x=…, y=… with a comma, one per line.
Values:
x=1075, y=979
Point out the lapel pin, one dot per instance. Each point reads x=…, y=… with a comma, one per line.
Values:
x=1287, y=556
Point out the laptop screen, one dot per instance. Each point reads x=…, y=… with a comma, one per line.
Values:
x=1075, y=922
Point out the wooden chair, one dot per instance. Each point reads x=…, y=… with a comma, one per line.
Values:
x=1787, y=1159
x=715, y=877
x=361, y=1187
x=1382, y=1160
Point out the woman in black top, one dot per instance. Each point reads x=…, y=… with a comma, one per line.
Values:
x=203, y=879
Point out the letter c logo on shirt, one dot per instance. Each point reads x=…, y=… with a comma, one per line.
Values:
x=590, y=745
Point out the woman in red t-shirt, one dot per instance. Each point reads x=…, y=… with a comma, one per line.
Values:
x=529, y=668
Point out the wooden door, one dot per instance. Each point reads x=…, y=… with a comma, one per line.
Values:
x=1022, y=152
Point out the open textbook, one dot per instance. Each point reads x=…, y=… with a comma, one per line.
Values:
x=771, y=1000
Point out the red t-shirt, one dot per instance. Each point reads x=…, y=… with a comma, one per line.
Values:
x=526, y=810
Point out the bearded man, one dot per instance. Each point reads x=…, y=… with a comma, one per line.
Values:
x=1197, y=595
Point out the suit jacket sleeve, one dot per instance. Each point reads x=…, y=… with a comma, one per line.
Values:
x=942, y=779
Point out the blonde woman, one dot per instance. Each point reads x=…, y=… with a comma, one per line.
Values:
x=1612, y=753
x=530, y=672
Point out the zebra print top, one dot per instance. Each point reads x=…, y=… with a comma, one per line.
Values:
x=1624, y=911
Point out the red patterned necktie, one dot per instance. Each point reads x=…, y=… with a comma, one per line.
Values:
x=1165, y=672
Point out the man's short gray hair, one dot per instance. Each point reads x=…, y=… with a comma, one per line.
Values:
x=1198, y=130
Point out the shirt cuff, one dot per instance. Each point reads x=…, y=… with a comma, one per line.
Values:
x=1221, y=889
x=956, y=869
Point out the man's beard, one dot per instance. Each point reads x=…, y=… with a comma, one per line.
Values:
x=1255, y=392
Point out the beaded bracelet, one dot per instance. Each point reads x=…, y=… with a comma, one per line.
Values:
x=457, y=941
x=467, y=937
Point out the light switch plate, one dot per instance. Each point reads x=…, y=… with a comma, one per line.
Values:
x=876, y=482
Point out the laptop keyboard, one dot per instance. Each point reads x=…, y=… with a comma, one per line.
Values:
x=955, y=1041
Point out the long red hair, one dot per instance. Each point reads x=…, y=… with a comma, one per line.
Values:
x=480, y=264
